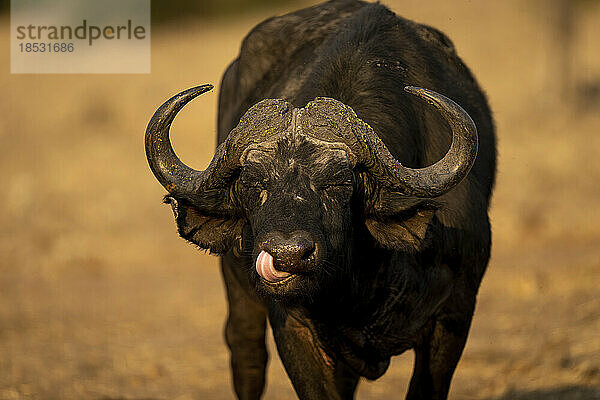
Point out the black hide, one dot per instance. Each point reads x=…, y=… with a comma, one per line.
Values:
x=383, y=272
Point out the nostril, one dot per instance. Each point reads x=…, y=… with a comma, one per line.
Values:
x=306, y=250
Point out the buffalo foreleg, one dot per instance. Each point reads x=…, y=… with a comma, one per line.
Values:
x=245, y=334
x=315, y=375
x=436, y=357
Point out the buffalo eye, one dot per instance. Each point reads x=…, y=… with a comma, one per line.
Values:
x=336, y=179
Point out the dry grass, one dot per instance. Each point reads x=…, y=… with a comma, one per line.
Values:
x=99, y=299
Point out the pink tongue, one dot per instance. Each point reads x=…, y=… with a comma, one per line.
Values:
x=265, y=268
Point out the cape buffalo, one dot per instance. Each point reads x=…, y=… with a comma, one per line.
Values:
x=347, y=197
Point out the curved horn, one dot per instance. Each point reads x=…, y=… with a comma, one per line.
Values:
x=436, y=179
x=164, y=163
x=439, y=178
x=264, y=119
x=428, y=182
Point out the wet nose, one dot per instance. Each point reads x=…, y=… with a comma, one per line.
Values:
x=293, y=254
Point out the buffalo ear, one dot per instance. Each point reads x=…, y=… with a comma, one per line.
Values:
x=216, y=234
x=405, y=230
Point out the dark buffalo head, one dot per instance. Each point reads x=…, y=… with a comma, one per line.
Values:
x=288, y=185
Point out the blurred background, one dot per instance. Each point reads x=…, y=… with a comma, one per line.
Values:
x=99, y=298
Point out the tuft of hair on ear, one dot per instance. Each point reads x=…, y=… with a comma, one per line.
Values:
x=405, y=230
x=215, y=233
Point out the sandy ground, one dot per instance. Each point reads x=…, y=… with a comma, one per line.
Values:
x=99, y=298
